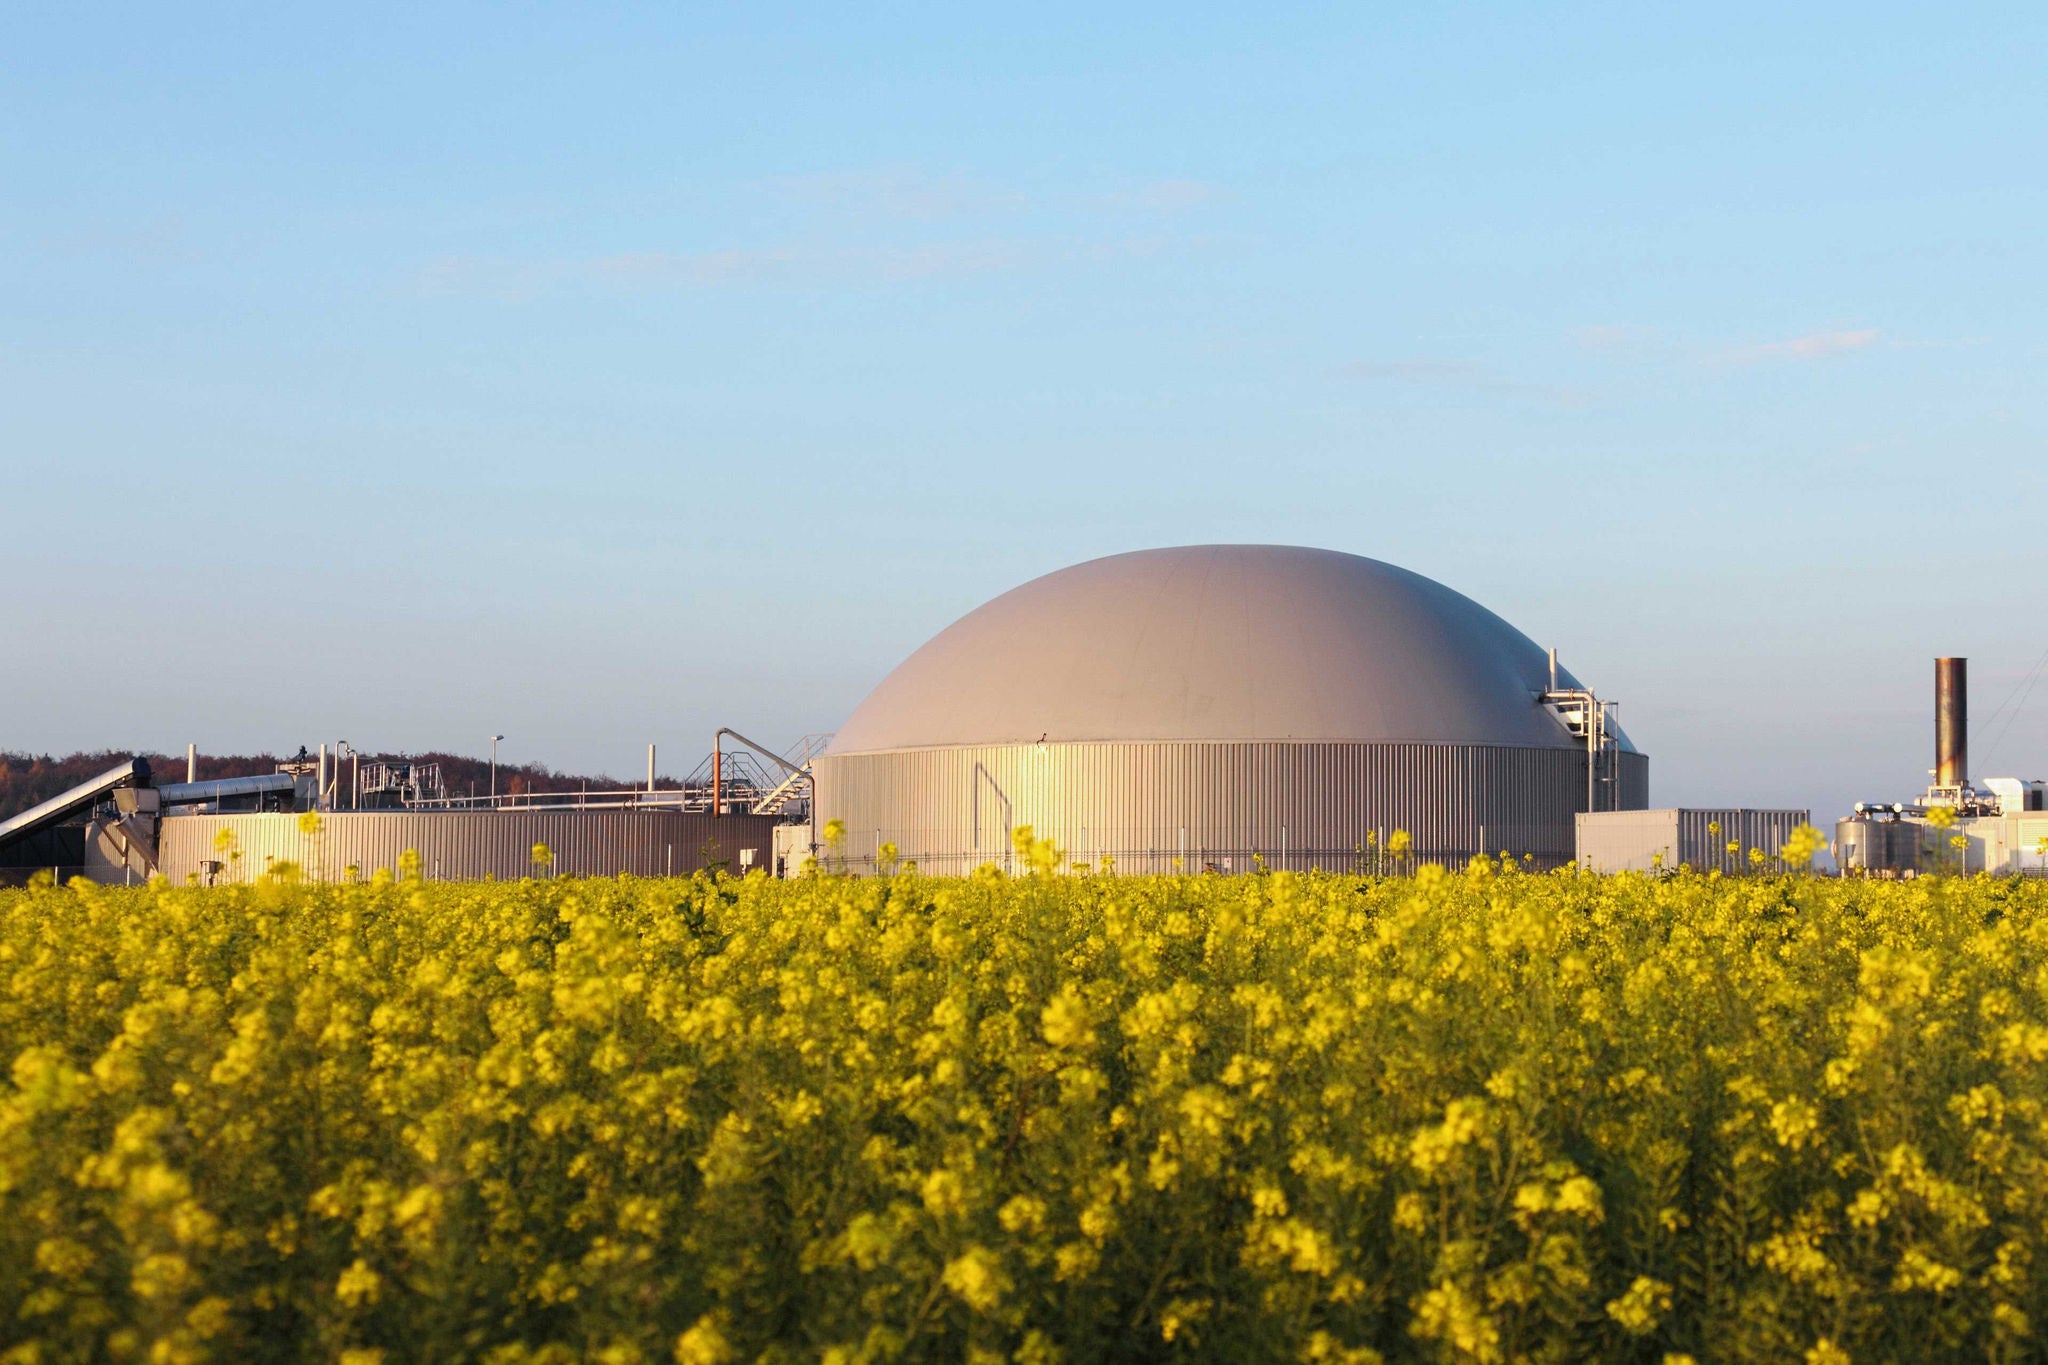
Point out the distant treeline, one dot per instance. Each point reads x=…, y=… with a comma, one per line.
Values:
x=26, y=779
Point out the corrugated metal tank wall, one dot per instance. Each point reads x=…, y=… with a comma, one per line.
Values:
x=469, y=845
x=1632, y=776
x=1148, y=804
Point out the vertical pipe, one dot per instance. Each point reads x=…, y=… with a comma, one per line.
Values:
x=650, y=771
x=191, y=762
x=717, y=774
x=1951, y=722
x=1600, y=750
x=320, y=780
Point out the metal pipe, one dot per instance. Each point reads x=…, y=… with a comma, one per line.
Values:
x=717, y=772
x=650, y=770
x=191, y=762
x=214, y=789
x=1592, y=752
x=1951, y=722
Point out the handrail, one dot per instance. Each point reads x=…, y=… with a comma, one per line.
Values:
x=761, y=749
x=623, y=799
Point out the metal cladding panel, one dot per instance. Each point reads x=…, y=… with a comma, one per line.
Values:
x=1208, y=805
x=469, y=845
x=1633, y=777
x=1647, y=840
x=1766, y=830
x=1628, y=841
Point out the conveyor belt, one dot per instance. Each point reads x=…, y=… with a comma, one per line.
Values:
x=133, y=773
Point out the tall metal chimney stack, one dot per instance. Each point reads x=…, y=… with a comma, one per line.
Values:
x=1951, y=722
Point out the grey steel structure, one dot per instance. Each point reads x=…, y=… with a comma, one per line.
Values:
x=463, y=845
x=1999, y=827
x=39, y=840
x=1881, y=842
x=128, y=775
x=1207, y=706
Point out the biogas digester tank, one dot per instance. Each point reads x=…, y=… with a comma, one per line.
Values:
x=1215, y=706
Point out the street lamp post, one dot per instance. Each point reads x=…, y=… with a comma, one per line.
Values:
x=494, y=768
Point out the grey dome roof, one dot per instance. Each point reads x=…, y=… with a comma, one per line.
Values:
x=1218, y=642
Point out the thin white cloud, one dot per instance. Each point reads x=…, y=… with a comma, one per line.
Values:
x=910, y=192
x=946, y=258
x=1165, y=196
x=1617, y=336
x=517, y=281
x=520, y=281
x=691, y=268
x=1461, y=374
x=899, y=192
x=152, y=241
x=1422, y=371
x=1814, y=346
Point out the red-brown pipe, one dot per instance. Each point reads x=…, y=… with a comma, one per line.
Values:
x=1951, y=722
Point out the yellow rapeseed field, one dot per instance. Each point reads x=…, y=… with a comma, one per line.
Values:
x=1480, y=1115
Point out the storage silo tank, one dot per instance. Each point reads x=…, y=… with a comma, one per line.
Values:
x=1221, y=707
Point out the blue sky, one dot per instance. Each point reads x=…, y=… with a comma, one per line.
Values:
x=604, y=375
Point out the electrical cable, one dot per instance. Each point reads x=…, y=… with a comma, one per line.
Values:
x=2033, y=677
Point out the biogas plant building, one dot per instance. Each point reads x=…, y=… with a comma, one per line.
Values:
x=1210, y=708
x=1221, y=707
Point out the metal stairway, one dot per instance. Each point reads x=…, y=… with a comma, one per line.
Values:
x=799, y=780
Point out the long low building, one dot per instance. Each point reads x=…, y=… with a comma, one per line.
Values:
x=1699, y=838
x=452, y=845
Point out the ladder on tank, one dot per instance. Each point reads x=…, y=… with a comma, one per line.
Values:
x=1586, y=718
